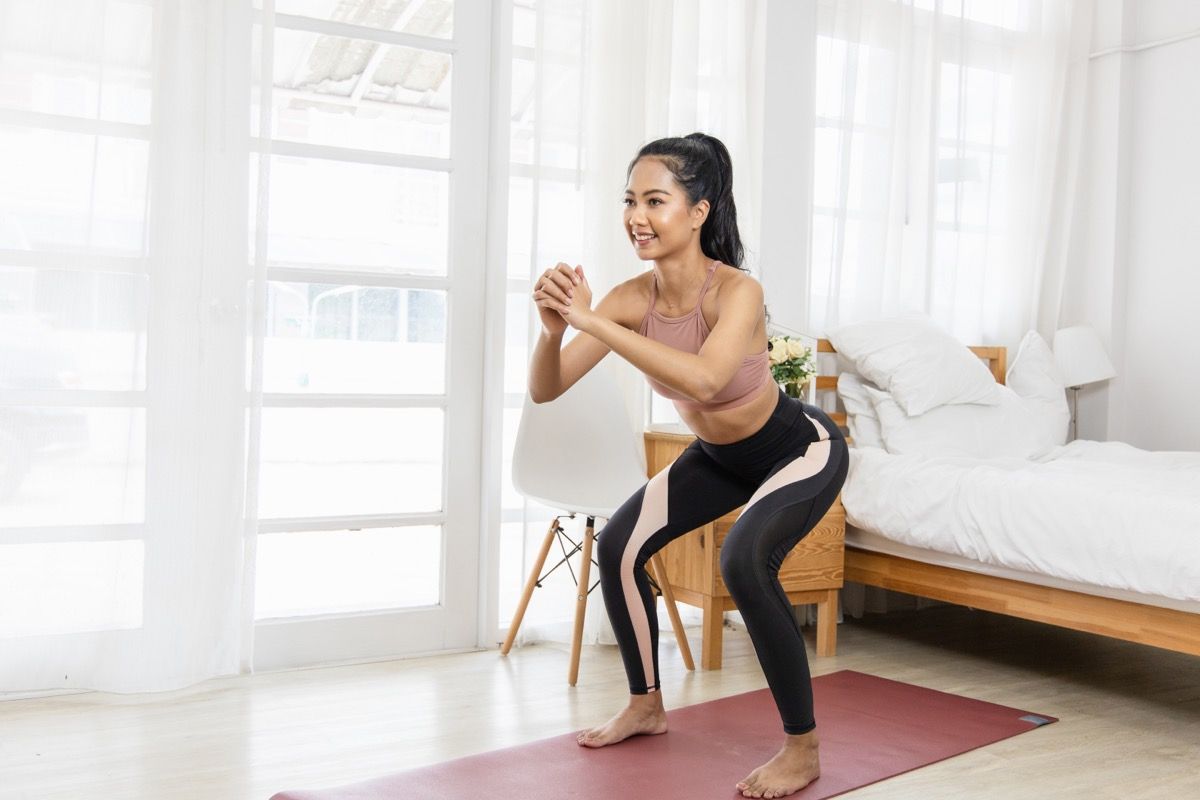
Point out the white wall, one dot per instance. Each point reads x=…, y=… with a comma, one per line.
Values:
x=1135, y=243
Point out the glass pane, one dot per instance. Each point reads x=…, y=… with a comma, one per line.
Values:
x=72, y=191
x=420, y=17
x=63, y=329
x=948, y=97
x=520, y=227
x=356, y=93
x=70, y=587
x=985, y=117
x=68, y=466
x=561, y=225
x=1012, y=14
x=561, y=117
x=339, y=214
x=822, y=255
x=971, y=186
x=826, y=167
x=330, y=461
x=335, y=338
x=520, y=316
x=855, y=180
x=509, y=496
x=875, y=93
x=89, y=58
x=522, y=108
x=524, y=24
x=831, y=70
x=511, y=578
x=323, y=572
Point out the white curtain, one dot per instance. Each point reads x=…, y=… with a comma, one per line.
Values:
x=947, y=141
x=641, y=71
x=123, y=282
x=944, y=160
x=945, y=154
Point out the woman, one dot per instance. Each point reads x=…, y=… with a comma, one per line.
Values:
x=695, y=325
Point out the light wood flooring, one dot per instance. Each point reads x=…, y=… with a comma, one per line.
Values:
x=1129, y=715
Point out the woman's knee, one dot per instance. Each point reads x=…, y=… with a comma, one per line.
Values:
x=739, y=564
x=613, y=538
x=609, y=547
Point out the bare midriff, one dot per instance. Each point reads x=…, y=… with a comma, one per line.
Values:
x=732, y=424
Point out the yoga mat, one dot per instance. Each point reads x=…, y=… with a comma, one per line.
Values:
x=870, y=728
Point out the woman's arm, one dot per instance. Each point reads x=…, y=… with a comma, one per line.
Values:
x=545, y=367
x=698, y=376
x=554, y=369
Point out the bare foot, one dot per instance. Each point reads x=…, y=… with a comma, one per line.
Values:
x=644, y=714
x=796, y=765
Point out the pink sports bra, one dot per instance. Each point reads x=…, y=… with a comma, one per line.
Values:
x=687, y=333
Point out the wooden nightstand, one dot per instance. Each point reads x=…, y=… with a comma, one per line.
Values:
x=812, y=572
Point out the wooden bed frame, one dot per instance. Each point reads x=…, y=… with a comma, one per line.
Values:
x=1121, y=619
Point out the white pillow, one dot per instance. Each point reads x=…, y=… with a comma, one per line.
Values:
x=1005, y=430
x=921, y=365
x=1034, y=376
x=860, y=413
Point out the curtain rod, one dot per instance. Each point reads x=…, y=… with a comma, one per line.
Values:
x=1136, y=47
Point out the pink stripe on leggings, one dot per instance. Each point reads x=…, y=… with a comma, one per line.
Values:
x=652, y=518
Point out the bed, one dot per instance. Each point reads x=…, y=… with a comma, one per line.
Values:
x=1045, y=539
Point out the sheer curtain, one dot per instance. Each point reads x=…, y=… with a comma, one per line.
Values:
x=947, y=134
x=945, y=145
x=122, y=280
x=597, y=81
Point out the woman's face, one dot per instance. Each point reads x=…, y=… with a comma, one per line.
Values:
x=658, y=218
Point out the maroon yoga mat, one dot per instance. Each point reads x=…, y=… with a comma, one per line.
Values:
x=870, y=728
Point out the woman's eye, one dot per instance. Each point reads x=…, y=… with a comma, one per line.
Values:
x=655, y=200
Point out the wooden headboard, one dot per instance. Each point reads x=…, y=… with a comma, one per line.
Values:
x=996, y=358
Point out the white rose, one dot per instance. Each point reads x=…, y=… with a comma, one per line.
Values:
x=796, y=348
x=779, y=353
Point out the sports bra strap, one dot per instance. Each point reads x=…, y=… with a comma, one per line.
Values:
x=712, y=270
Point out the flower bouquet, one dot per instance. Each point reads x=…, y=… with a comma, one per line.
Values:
x=792, y=363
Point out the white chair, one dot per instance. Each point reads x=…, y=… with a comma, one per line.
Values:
x=581, y=453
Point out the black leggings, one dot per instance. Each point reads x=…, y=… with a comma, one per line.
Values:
x=787, y=475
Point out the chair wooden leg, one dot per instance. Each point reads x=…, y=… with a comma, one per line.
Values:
x=713, y=627
x=660, y=573
x=827, y=624
x=529, y=587
x=581, y=597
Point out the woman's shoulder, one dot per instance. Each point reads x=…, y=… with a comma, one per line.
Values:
x=731, y=281
x=630, y=300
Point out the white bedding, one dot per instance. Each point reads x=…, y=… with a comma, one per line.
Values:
x=1101, y=513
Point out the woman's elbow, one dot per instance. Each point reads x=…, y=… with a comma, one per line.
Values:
x=703, y=391
x=539, y=397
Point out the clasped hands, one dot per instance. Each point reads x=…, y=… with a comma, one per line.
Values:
x=563, y=297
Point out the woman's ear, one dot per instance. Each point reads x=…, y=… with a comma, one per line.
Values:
x=699, y=213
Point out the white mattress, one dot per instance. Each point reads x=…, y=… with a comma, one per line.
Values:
x=1103, y=518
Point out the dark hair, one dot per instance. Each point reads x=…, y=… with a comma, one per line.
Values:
x=701, y=165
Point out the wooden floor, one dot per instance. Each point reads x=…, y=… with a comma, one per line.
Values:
x=1130, y=715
